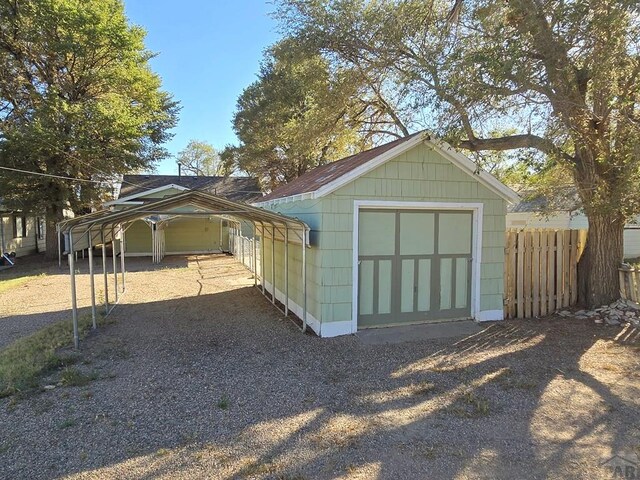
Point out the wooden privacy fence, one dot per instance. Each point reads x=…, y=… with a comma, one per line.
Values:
x=629, y=283
x=541, y=270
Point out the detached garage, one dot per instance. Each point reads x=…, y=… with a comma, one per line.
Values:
x=408, y=232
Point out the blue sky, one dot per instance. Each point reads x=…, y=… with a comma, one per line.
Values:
x=208, y=52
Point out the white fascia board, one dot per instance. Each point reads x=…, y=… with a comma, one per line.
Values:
x=145, y=192
x=443, y=148
x=369, y=166
x=472, y=169
x=290, y=198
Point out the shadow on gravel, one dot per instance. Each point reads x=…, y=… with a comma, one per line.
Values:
x=220, y=385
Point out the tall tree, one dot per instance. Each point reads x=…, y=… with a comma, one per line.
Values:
x=77, y=99
x=200, y=158
x=301, y=113
x=564, y=74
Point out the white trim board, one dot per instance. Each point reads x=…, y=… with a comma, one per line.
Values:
x=128, y=198
x=443, y=148
x=312, y=321
x=476, y=252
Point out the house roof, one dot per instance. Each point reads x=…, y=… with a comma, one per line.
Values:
x=239, y=189
x=325, y=174
x=327, y=178
x=565, y=200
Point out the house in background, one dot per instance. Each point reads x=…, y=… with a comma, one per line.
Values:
x=408, y=232
x=21, y=233
x=180, y=234
x=535, y=212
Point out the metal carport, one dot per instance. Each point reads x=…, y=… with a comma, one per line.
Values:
x=104, y=226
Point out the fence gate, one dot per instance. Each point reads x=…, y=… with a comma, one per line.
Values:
x=540, y=270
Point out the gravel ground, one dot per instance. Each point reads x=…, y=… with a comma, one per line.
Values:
x=199, y=377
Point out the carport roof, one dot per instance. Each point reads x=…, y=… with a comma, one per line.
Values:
x=206, y=202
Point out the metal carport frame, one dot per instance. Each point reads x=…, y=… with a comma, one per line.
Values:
x=105, y=225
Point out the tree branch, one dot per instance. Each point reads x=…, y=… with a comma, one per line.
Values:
x=511, y=142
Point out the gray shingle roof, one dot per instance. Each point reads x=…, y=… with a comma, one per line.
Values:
x=239, y=189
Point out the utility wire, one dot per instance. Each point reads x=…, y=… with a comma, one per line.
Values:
x=52, y=176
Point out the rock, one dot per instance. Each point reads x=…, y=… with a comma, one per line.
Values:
x=581, y=312
x=49, y=387
x=564, y=313
x=629, y=314
x=591, y=314
x=633, y=305
x=612, y=321
x=599, y=321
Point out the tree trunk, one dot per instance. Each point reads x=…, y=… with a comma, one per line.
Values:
x=598, y=266
x=54, y=214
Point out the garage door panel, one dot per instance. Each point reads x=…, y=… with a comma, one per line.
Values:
x=385, y=282
x=365, y=300
x=376, y=235
x=407, y=285
x=462, y=283
x=424, y=285
x=414, y=266
x=454, y=233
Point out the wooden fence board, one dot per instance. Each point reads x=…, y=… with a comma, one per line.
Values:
x=527, y=273
x=566, y=269
x=535, y=272
x=541, y=274
x=520, y=276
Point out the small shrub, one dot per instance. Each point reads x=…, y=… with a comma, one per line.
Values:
x=223, y=403
x=470, y=405
x=69, y=422
x=72, y=377
x=25, y=361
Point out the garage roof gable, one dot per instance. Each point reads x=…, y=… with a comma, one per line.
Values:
x=325, y=179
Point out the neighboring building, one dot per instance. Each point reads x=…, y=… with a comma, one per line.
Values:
x=535, y=212
x=181, y=235
x=408, y=232
x=22, y=234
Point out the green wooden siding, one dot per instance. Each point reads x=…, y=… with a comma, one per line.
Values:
x=420, y=175
x=138, y=238
x=187, y=234
x=197, y=234
x=307, y=211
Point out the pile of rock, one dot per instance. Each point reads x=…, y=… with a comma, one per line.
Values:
x=618, y=313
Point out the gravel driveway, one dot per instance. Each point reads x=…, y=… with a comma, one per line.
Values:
x=199, y=377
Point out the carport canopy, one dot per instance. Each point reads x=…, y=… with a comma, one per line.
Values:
x=108, y=226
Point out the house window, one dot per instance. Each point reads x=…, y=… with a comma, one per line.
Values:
x=19, y=227
x=40, y=227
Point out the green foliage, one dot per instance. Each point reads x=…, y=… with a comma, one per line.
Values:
x=24, y=361
x=200, y=158
x=77, y=98
x=303, y=112
x=10, y=283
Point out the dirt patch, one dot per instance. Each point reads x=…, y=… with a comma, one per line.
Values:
x=200, y=377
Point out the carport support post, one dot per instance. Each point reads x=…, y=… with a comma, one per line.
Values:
x=304, y=280
x=262, y=255
x=74, y=304
x=286, y=270
x=59, y=246
x=115, y=263
x=104, y=272
x=255, y=261
x=273, y=264
x=122, y=247
x=92, y=282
